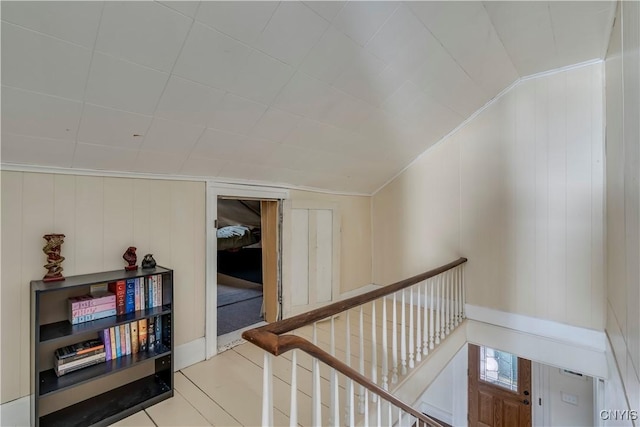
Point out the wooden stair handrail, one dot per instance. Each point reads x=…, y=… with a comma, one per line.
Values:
x=271, y=339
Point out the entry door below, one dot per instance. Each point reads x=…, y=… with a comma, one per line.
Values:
x=499, y=389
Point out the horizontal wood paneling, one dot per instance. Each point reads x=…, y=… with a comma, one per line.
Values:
x=100, y=217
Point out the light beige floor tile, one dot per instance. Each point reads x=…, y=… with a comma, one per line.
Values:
x=203, y=403
x=139, y=419
x=176, y=411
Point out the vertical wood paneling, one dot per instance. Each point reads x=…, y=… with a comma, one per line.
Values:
x=141, y=223
x=159, y=216
x=324, y=255
x=13, y=286
x=37, y=220
x=89, y=224
x=198, y=193
x=578, y=303
x=557, y=197
x=525, y=209
x=300, y=257
x=118, y=222
x=64, y=218
x=542, y=290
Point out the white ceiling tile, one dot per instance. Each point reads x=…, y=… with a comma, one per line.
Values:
x=242, y=20
x=347, y=112
x=306, y=96
x=235, y=114
x=185, y=7
x=37, y=151
x=249, y=172
x=100, y=157
x=466, y=31
x=275, y=125
x=159, y=162
x=360, y=20
x=443, y=78
x=360, y=77
x=173, y=137
x=106, y=126
x=291, y=33
x=211, y=58
x=401, y=27
x=261, y=78
x=188, y=102
x=200, y=166
x=34, y=114
x=124, y=85
x=397, y=104
x=526, y=33
x=330, y=56
x=143, y=32
x=215, y=144
x=290, y=157
x=327, y=9
x=43, y=64
x=73, y=21
x=318, y=136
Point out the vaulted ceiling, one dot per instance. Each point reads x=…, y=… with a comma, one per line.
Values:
x=333, y=95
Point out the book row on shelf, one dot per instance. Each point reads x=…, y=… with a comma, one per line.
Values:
x=117, y=341
x=116, y=298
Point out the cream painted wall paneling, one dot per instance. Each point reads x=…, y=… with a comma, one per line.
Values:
x=100, y=217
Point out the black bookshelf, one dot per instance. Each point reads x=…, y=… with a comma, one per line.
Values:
x=129, y=395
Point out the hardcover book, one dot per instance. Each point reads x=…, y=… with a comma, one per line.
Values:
x=151, y=334
x=112, y=336
x=130, y=299
x=127, y=333
x=119, y=289
x=106, y=340
x=118, y=342
x=123, y=340
x=142, y=334
x=78, y=348
x=135, y=342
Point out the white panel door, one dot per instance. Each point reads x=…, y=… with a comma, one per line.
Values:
x=314, y=256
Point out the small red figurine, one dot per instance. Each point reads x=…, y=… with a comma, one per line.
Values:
x=131, y=258
x=54, y=259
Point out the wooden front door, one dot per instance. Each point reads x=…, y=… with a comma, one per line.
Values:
x=499, y=389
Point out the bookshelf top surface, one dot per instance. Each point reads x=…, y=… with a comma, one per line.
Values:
x=95, y=278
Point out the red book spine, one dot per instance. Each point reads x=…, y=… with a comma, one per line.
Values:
x=119, y=289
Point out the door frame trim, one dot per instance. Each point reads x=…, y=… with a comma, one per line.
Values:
x=213, y=191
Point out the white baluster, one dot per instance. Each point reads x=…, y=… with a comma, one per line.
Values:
x=456, y=300
x=366, y=407
x=399, y=417
x=389, y=415
x=403, y=338
x=394, y=344
x=411, y=355
x=425, y=326
x=442, y=310
x=293, y=411
x=316, y=414
x=267, y=391
x=464, y=294
x=335, y=405
x=385, y=350
x=374, y=349
x=419, y=331
x=431, y=316
x=362, y=389
x=438, y=311
x=461, y=296
x=352, y=413
x=447, y=304
x=349, y=397
x=379, y=413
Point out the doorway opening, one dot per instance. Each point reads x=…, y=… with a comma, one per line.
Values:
x=247, y=259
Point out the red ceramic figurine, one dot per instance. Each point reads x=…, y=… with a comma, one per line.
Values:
x=131, y=258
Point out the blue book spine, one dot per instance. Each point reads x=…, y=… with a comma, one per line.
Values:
x=158, y=331
x=151, y=305
x=130, y=296
x=118, y=352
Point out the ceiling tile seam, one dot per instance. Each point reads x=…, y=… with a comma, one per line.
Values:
x=188, y=156
x=20, y=89
x=86, y=83
x=273, y=12
x=391, y=15
x=479, y=86
x=328, y=20
x=501, y=41
x=553, y=31
x=166, y=83
x=40, y=33
x=176, y=10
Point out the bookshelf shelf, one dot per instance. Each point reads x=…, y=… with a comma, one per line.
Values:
x=104, y=393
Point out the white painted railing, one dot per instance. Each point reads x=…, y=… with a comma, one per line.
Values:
x=393, y=332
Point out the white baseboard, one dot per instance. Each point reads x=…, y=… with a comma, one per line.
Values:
x=434, y=411
x=16, y=413
x=588, y=338
x=189, y=354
